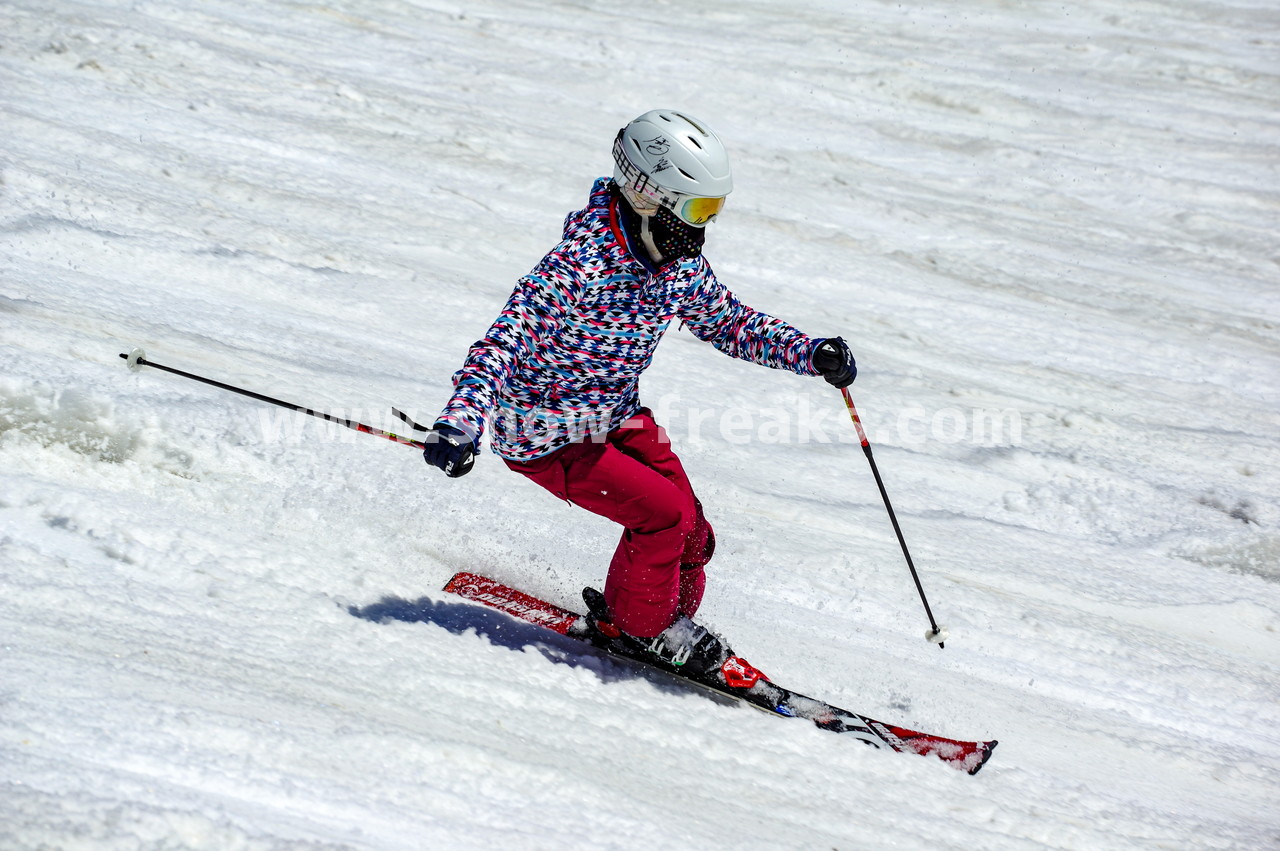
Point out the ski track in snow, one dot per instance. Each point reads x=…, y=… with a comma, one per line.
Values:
x=1063, y=211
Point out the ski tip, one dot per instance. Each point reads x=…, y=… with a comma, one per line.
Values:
x=967, y=756
x=984, y=754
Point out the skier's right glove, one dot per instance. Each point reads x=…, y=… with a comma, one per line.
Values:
x=834, y=361
x=450, y=449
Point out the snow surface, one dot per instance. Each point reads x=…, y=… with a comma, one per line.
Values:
x=1048, y=230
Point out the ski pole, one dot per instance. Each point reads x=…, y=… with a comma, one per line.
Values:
x=936, y=634
x=137, y=359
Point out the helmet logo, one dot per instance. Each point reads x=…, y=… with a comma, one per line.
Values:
x=657, y=146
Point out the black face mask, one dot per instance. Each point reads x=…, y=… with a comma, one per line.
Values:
x=661, y=235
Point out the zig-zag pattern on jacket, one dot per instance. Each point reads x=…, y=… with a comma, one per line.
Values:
x=562, y=362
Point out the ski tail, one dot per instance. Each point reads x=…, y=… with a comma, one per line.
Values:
x=495, y=595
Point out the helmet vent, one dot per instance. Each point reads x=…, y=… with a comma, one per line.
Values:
x=693, y=123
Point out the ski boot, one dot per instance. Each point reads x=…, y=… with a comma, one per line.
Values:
x=685, y=647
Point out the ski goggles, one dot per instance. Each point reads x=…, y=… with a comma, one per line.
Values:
x=693, y=210
x=646, y=196
x=699, y=211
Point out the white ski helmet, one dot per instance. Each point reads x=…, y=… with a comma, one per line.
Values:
x=669, y=159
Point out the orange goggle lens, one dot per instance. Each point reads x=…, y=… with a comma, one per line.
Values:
x=699, y=211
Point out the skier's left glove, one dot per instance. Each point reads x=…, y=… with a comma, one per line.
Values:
x=834, y=361
x=450, y=449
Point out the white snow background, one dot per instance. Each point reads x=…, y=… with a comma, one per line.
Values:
x=1068, y=211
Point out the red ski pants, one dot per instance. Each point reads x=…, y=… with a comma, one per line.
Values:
x=633, y=478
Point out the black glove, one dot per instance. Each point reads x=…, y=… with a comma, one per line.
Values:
x=450, y=449
x=833, y=359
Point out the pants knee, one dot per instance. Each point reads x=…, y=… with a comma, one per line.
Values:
x=679, y=517
x=700, y=540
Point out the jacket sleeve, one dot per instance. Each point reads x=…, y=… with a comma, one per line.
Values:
x=536, y=308
x=715, y=314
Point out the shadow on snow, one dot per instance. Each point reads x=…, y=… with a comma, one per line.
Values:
x=504, y=631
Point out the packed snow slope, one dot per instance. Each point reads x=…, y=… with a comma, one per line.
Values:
x=1047, y=229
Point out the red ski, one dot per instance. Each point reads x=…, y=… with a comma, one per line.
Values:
x=740, y=680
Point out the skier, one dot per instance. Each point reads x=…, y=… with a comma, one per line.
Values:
x=555, y=379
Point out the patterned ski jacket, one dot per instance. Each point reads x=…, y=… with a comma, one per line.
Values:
x=563, y=360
